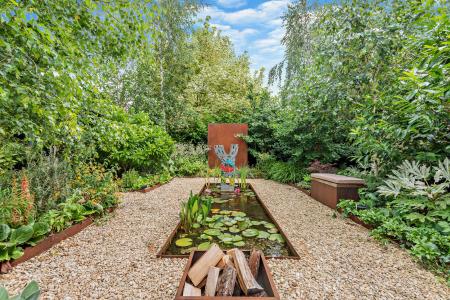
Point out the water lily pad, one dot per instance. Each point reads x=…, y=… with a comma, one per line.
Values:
x=219, y=201
x=269, y=225
x=205, y=237
x=243, y=225
x=276, y=237
x=263, y=235
x=224, y=235
x=204, y=246
x=212, y=232
x=256, y=223
x=224, y=212
x=240, y=219
x=237, y=238
x=239, y=244
x=195, y=225
x=234, y=229
x=217, y=225
x=227, y=240
x=215, y=210
x=183, y=242
x=216, y=217
x=238, y=214
x=250, y=232
x=229, y=223
x=209, y=220
x=273, y=230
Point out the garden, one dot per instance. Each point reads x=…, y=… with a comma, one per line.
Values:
x=112, y=184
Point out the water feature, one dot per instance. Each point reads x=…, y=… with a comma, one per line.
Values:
x=237, y=219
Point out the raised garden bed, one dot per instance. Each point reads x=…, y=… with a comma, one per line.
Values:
x=228, y=213
x=47, y=243
x=263, y=278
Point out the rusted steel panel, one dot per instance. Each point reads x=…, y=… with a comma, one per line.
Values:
x=226, y=134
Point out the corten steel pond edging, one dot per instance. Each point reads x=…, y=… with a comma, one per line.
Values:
x=290, y=247
x=264, y=276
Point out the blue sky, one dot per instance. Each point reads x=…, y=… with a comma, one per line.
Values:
x=254, y=26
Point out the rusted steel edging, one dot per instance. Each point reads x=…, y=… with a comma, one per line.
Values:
x=291, y=248
x=50, y=241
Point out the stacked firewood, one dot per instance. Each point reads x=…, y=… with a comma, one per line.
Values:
x=230, y=274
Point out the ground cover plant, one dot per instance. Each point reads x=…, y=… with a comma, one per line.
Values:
x=412, y=207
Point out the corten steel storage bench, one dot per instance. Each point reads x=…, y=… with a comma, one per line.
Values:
x=330, y=188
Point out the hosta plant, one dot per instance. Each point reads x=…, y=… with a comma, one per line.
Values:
x=30, y=292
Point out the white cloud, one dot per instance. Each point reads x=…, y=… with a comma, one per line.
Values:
x=232, y=3
x=256, y=30
x=262, y=14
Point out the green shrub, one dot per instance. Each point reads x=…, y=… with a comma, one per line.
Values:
x=285, y=172
x=190, y=160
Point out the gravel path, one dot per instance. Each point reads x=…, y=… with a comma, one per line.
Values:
x=112, y=261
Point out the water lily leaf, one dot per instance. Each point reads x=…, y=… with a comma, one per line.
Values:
x=227, y=240
x=217, y=217
x=229, y=223
x=276, y=237
x=237, y=238
x=220, y=201
x=263, y=235
x=239, y=244
x=234, y=229
x=215, y=210
x=217, y=225
x=195, y=225
x=224, y=212
x=212, y=232
x=256, y=223
x=250, y=232
x=224, y=235
x=273, y=230
x=243, y=225
x=205, y=237
x=184, y=242
x=269, y=225
x=240, y=219
x=204, y=246
x=209, y=220
x=238, y=214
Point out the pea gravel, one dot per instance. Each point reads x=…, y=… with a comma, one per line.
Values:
x=117, y=258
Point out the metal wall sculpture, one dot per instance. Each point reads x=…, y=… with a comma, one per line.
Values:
x=227, y=166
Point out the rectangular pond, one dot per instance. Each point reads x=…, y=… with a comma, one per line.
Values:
x=236, y=220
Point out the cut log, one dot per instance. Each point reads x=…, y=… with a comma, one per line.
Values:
x=202, y=283
x=211, y=281
x=253, y=262
x=227, y=280
x=246, y=280
x=226, y=260
x=209, y=259
x=190, y=290
x=260, y=294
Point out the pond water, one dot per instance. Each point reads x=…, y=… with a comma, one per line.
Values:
x=235, y=220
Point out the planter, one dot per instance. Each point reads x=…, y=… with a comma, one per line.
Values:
x=264, y=278
x=47, y=243
x=330, y=188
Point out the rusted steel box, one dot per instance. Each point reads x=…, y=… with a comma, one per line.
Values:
x=264, y=279
x=226, y=134
x=330, y=188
